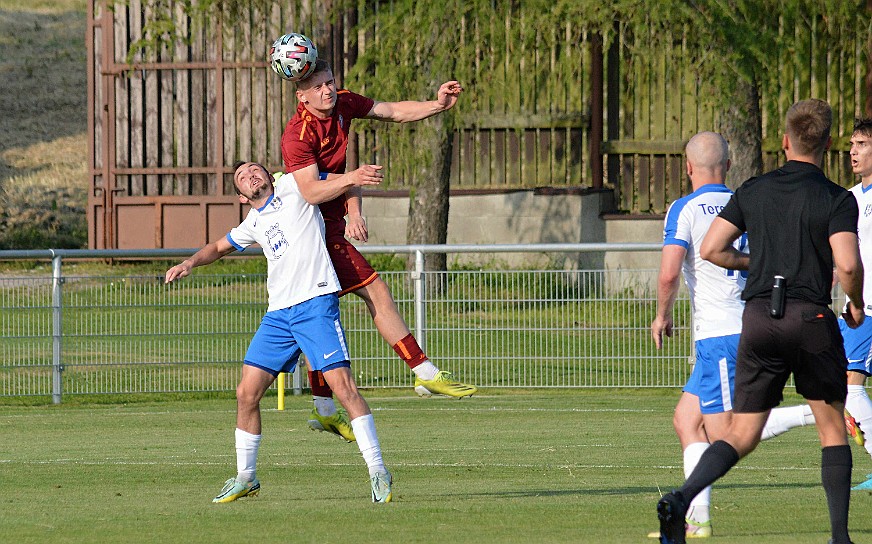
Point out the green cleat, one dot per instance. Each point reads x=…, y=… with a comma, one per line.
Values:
x=234, y=489
x=381, y=487
x=444, y=384
x=336, y=423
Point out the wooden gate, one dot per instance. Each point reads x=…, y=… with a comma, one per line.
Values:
x=165, y=129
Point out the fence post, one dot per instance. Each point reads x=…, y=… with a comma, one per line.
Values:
x=298, y=380
x=57, y=328
x=420, y=318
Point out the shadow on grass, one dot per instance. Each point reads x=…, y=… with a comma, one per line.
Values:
x=526, y=493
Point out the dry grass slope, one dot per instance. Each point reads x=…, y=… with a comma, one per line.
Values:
x=43, y=127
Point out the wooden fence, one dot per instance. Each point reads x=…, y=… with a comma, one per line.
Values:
x=165, y=128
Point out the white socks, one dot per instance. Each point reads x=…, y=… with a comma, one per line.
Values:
x=247, y=445
x=367, y=441
x=859, y=406
x=698, y=509
x=426, y=370
x=783, y=419
x=324, y=405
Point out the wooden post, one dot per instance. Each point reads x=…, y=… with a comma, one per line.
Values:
x=613, y=104
x=868, y=80
x=596, y=110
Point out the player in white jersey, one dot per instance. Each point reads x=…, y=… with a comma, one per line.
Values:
x=302, y=317
x=858, y=342
x=703, y=413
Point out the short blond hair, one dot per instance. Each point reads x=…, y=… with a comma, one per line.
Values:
x=808, y=126
x=321, y=65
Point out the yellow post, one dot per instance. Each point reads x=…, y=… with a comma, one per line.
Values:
x=281, y=387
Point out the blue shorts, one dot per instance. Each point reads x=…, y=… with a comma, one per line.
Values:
x=858, y=343
x=714, y=373
x=311, y=327
x=694, y=382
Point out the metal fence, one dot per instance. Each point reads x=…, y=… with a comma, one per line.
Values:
x=558, y=326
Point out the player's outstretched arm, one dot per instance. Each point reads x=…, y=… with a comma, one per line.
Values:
x=316, y=190
x=410, y=110
x=208, y=254
x=717, y=246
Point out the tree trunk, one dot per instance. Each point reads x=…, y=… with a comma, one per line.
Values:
x=428, y=195
x=743, y=129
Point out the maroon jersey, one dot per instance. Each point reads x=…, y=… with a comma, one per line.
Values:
x=308, y=140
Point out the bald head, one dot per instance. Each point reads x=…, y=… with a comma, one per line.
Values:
x=708, y=158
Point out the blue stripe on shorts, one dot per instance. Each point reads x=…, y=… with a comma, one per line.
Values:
x=311, y=327
x=716, y=361
x=858, y=343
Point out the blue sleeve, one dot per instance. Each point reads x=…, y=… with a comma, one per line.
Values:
x=234, y=244
x=672, y=230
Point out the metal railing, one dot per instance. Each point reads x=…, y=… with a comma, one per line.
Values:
x=560, y=326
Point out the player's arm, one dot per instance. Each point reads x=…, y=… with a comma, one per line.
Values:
x=668, y=281
x=208, y=254
x=717, y=246
x=317, y=190
x=849, y=269
x=355, y=225
x=410, y=110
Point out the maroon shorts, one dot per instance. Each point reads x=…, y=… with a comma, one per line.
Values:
x=353, y=270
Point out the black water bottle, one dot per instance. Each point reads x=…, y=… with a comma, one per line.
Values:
x=776, y=303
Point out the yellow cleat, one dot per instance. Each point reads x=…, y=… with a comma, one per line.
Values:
x=234, y=489
x=693, y=529
x=336, y=423
x=443, y=384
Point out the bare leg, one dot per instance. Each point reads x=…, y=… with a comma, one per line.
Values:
x=342, y=383
x=687, y=421
x=250, y=390
x=385, y=314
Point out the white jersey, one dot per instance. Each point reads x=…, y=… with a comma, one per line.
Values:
x=864, y=232
x=291, y=233
x=715, y=293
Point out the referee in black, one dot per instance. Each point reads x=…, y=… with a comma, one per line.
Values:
x=799, y=225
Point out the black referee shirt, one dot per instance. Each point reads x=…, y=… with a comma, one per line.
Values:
x=789, y=215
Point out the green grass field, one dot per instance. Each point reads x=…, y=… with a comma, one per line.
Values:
x=507, y=466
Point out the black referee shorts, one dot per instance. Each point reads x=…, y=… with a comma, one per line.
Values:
x=805, y=342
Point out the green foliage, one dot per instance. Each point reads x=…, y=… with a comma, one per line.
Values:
x=174, y=22
x=729, y=39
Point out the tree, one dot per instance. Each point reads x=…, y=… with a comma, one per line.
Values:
x=739, y=49
x=472, y=41
x=734, y=45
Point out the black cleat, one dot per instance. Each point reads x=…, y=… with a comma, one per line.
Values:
x=671, y=510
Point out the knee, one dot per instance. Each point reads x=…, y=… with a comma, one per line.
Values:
x=379, y=289
x=345, y=390
x=743, y=444
x=246, y=397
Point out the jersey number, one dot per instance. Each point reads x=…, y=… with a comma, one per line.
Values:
x=741, y=244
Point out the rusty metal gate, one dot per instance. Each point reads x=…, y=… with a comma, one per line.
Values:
x=164, y=130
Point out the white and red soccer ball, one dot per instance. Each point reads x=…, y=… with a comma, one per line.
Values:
x=293, y=56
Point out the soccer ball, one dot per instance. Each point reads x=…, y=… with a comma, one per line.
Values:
x=293, y=56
